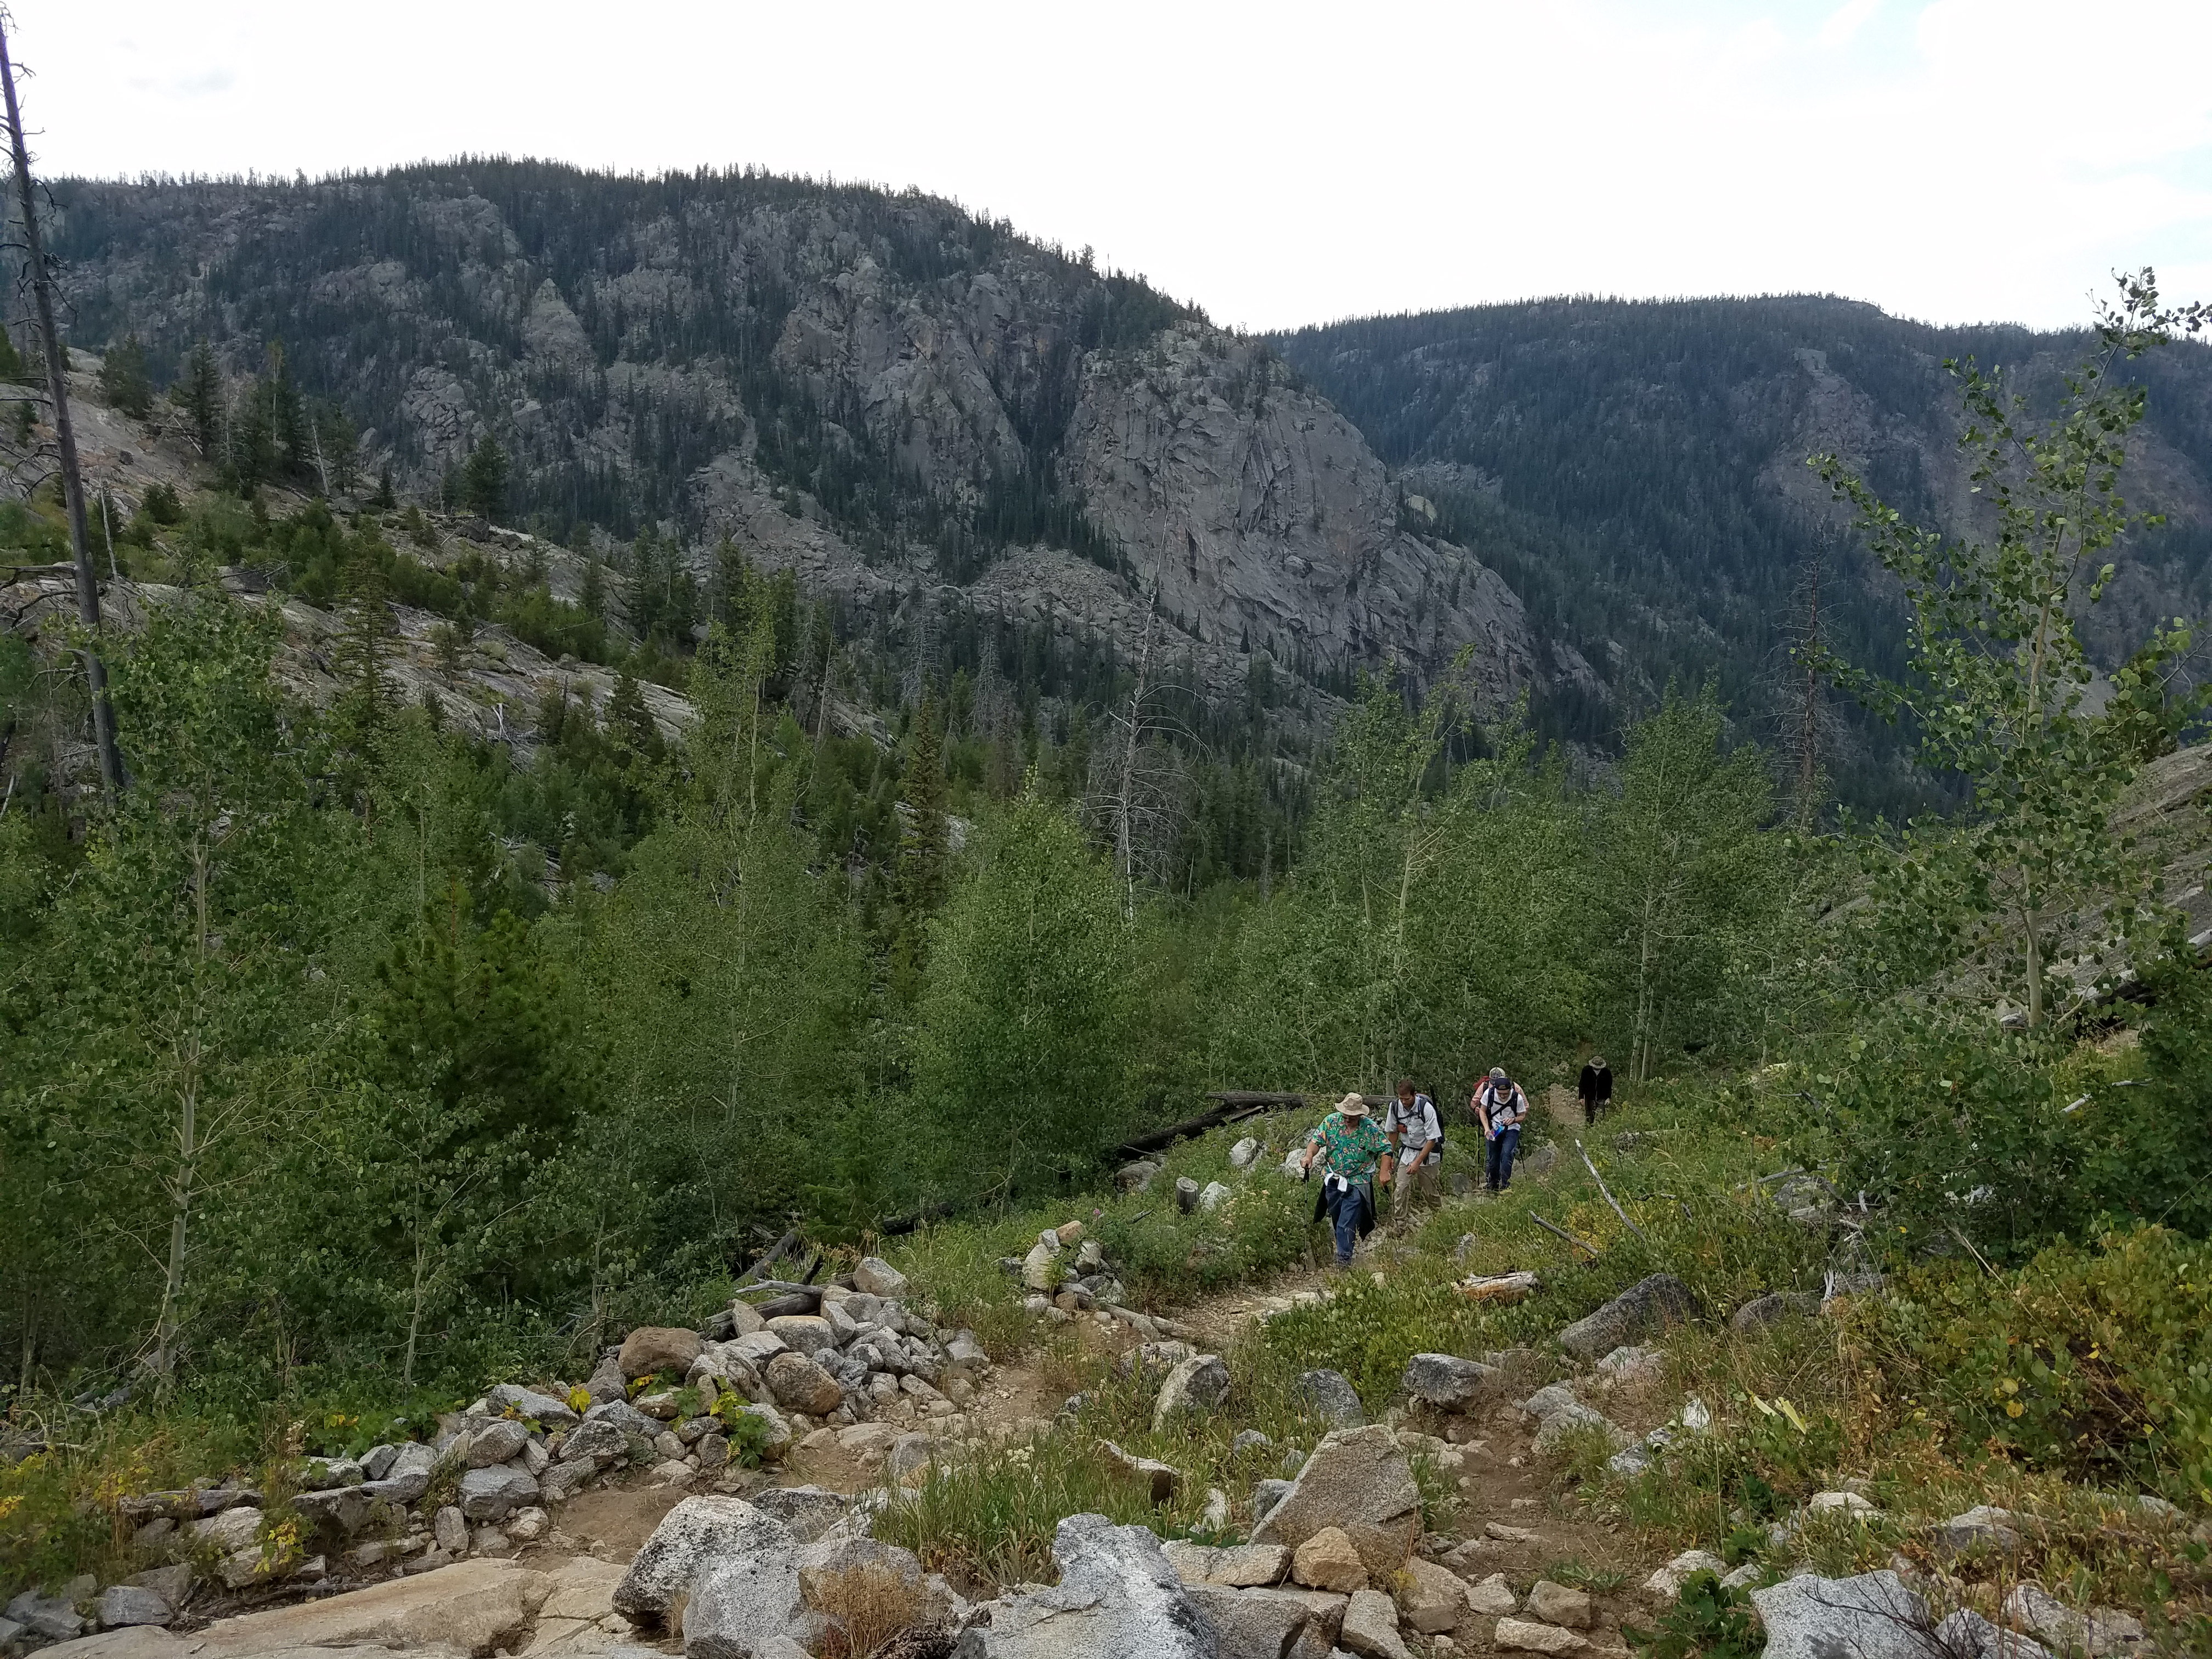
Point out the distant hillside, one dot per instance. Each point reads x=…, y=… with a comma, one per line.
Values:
x=1636, y=470
x=917, y=410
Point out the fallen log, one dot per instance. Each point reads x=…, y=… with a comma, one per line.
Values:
x=1507, y=1288
x=771, y=1257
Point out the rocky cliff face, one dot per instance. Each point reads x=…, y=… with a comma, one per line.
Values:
x=913, y=409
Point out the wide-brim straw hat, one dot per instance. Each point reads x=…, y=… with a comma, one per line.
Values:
x=1353, y=1105
x=1598, y=1061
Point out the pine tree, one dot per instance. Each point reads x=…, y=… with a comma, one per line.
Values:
x=123, y=380
x=483, y=481
x=364, y=649
x=198, y=395
x=383, y=500
x=925, y=841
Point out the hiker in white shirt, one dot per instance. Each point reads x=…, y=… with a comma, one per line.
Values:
x=1417, y=1139
x=1501, y=1105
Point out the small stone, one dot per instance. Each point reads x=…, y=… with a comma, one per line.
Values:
x=496, y=1443
x=491, y=1543
x=1162, y=1479
x=1556, y=1604
x=1197, y=1386
x=1212, y=1198
x=450, y=1529
x=2097, y=1631
x=1431, y=1599
x=1242, y=1154
x=132, y=1604
x=491, y=1494
x=1329, y=1561
x=1371, y=1627
x=806, y=1333
x=800, y=1385
x=1519, y=1636
x=1846, y=1503
x=1136, y=1177
x=1246, y=1566
x=1330, y=1396
x=1493, y=1596
x=1447, y=1382
x=1249, y=1440
x=1980, y=1528
x=230, y=1531
x=876, y=1277
x=1666, y=1583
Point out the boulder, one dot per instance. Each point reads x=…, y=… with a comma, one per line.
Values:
x=1117, y=1596
x=745, y=1319
x=1446, y=1383
x=876, y=1277
x=1871, y=1616
x=1371, y=1627
x=1198, y=1385
x=2098, y=1631
x=1966, y=1635
x=497, y=1442
x=653, y=1348
x=1429, y=1598
x=132, y=1604
x=776, y=1432
x=1556, y=1604
x=800, y=1385
x=807, y=1511
x=1330, y=1396
x=747, y=1600
x=564, y=1480
x=697, y=1535
x=1666, y=1583
x=1493, y=1596
x=1136, y=1176
x=1329, y=1560
x=607, y=1381
x=1242, y=1154
x=1212, y=1198
x=1521, y=1636
x=1161, y=1480
x=489, y=1494
x=1357, y=1479
x=1643, y=1309
x=806, y=1333
x=1560, y=1426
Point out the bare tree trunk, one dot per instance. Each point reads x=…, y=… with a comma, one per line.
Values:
x=184, y=1185
x=1125, y=848
x=1808, y=718
x=88, y=586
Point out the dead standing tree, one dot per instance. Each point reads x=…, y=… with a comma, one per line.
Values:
x=42, y=289
x=1138, y=783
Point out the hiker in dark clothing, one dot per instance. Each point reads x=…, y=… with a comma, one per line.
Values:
x=1596, y=1088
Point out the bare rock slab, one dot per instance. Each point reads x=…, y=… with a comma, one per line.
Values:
x=1872, y=1615
x=1117, y=1596
x=1526, y=1635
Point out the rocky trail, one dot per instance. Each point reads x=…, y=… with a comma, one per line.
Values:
x=695, y=1554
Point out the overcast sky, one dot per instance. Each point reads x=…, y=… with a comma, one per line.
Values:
x=1964, y=160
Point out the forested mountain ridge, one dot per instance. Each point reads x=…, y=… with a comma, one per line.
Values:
x=893, y=398
x=1636, y=471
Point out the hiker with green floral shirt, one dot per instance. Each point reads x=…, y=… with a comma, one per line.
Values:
x=1351, y=1147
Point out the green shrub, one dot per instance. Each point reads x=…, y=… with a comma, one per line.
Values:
x=1707, y=1620
x=2093, y=1360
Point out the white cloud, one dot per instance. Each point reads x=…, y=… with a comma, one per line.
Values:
x=1279, y=163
